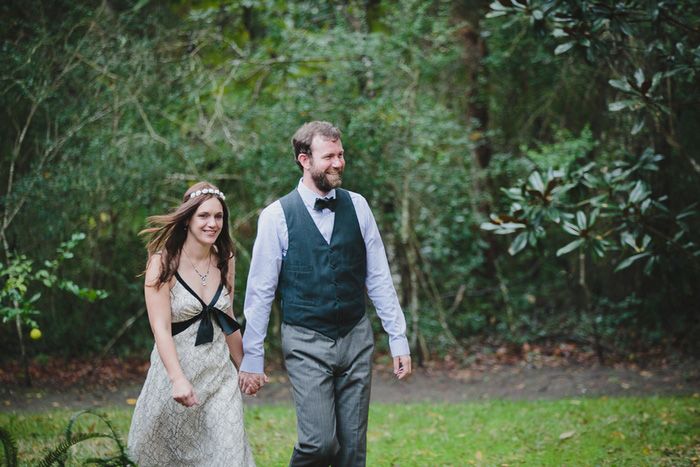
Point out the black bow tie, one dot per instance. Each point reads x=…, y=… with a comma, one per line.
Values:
x=325, y=203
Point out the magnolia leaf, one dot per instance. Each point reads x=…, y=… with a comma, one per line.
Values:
x=536, y=182
x=565, y=47
x=649, y=266
x=532, y=238
x=518, y=244
x=571, y=228
x=638, y=193
x=599, y=248
x=620, y=84
x=662, y=108
x=591, y=180
x=34, y=298
x=140, y=5
x=489, y=226
x=581, y=220
x=621, y=105
x=626, y=28
x=501, y=5
x=689, y=211
x=553, y=214
x=570, y=247
x=628, y=239
x=639, y=123
x=628, y=262
x=496, y=13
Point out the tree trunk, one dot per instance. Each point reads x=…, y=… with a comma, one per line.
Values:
x=587, y=305
x=477, y=121
x=411, y=286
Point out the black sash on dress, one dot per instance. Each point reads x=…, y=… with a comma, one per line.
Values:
x=205, y=333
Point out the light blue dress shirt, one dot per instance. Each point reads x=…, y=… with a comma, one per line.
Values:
x=270, y=249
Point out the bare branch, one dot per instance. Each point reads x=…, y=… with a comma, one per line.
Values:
x=49, y=152
x=145, y=119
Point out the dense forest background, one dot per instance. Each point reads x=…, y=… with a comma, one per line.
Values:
x=533, y=166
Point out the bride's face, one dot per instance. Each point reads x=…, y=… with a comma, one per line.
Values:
x=206, y=223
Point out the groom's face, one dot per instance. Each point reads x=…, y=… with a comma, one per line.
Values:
x=326, y=163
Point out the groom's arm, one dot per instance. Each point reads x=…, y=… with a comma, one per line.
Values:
x=260, y=292
x=380, y=289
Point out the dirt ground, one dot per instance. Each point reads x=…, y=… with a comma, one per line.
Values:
x=509, y=381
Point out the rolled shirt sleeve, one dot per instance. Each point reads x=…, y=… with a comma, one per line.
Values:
x=379, y=283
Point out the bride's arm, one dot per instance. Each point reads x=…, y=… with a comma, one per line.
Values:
x=234, y=341
x=158, y=306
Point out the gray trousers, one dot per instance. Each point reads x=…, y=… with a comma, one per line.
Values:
x=331, y=381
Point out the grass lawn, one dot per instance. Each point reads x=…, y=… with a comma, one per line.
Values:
x=585, y=432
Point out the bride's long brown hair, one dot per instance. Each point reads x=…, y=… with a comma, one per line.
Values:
x=167, y=233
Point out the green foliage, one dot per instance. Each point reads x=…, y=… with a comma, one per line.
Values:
x=575, y=199
x=651, y=43
x=111, y=111
x=58, y=455
x=20, y=279
x=565, y=150
x=614, y=196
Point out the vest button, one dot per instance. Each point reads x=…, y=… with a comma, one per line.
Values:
x=332, y=266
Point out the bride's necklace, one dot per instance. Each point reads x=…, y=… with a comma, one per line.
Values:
x=201, y=276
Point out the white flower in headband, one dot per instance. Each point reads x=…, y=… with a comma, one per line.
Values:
x=207, y=191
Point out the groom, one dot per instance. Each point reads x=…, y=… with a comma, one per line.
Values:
x=320, y=247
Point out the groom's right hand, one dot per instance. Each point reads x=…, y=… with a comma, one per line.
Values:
x=250, y=383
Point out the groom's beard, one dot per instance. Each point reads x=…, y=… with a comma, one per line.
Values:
x=322, y=182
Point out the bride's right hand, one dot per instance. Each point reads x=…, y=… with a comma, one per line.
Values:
x=184, y=394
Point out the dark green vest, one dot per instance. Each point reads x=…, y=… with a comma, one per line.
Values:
x=323, y=286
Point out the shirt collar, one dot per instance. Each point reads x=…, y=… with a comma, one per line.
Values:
x=309, y=197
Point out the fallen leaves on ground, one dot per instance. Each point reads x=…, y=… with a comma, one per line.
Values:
x=61, y=373
x=567, y=434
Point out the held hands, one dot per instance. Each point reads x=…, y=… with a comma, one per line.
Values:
x=402, y=366
x=250, y=383
x=183, y=393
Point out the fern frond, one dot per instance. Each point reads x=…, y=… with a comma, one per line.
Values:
x=103, y=418
x=57, y=453
x=10, y=447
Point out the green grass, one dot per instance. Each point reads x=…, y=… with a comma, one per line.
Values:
x=586, y=432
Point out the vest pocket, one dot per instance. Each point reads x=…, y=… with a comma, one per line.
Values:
x=298, y=283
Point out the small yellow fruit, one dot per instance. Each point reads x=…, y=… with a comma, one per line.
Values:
x=35, y=333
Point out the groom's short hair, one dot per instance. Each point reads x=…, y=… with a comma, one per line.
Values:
x=301, y=141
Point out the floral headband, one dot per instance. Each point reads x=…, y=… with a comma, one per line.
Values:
x=207, y=191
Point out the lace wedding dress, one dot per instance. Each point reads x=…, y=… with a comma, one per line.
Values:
x=165, y=433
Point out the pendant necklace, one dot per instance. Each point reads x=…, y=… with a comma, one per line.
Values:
x=201, y=276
